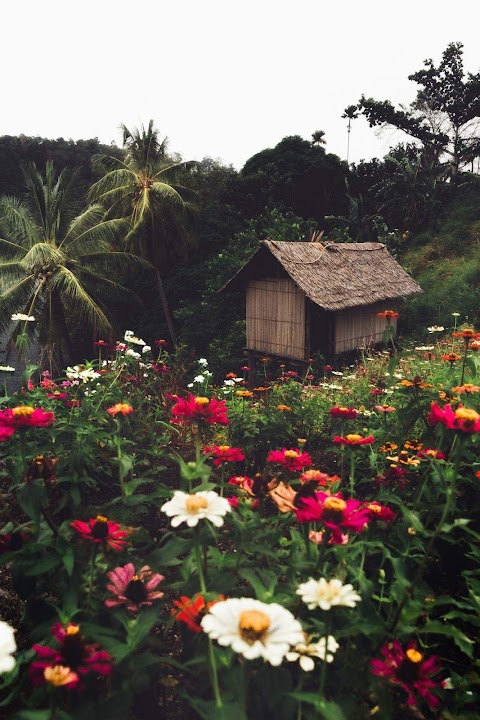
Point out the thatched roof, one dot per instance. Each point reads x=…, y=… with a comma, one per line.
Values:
x=335, y=276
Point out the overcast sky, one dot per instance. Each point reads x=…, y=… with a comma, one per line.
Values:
x=220, y=78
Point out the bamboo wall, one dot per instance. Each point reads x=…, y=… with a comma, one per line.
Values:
x=361, y=326
x=276, y=318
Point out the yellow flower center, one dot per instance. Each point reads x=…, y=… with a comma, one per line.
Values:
x=375, y=508
x=72, y=630
x=23, y=411
x=224, y=448
x=467, y=414
x=201, y=401
x=58, y=675
x=291, y=454
x=253, y=625
x=194, y=503
x=414, y=656
x=354, y=438
x=101, y=518
x=335, y=503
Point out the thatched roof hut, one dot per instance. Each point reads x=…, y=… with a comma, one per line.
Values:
x=304, y=297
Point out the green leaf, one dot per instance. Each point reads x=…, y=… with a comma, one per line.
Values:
x=32, y=497
x=327, y=710
x=459, y=638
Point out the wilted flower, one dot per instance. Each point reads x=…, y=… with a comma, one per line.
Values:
x=203, y=505
x=22, y=317
x=253, y=628
x=7, y=647
x=327, y=593
x=305, y=651
x=103, y=531
x=133, y=589
x=408, y=669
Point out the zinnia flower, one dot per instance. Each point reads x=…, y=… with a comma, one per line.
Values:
x=338, y=515
x=292, y=459
x=203, y=505
x=200, y=409
x=388, y=314
x=327, y=593
x=245, y=487
x=318, y=478
x=304, y=652
x=22, y=317
x=23, y=416
x=344, y=413
x=73, y=654
x=253, y=628
x=191, y=610
x=353, y=440
x=120, y=409
x=101, y=530
x=224, y=453
x=80, y=372
x=408, y=669
x=133, y=589
x=435, y=328
x=7, y=647
x=380, y=512
x=463, y=419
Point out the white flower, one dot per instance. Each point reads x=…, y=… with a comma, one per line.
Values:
x=146, y=348
x=229, y=383
x=23, y=317
x=80, y=372
x=199, y=379
x=203, y=361
x=203, y=505
x=304, y=652
x=190, y=385
x=435, y=328
x=336, y=372
x=425, y=348
x=130, y=337
x=326, y=593
x=456, y=314
x=128, y=333
x=253, y=628
x=7, y=647
x=131, y=353
x=7, y=368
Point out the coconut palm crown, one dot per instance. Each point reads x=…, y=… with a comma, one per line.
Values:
x=57, y=266
x=147, y=188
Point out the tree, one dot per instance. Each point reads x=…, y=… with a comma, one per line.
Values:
x=350, y=113
x=57, y=266
x=317, y=137
x=445, y=115
x=147, y=188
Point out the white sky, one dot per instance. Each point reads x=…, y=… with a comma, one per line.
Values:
x=220, y=78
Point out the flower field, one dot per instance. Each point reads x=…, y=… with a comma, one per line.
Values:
x=302, y=544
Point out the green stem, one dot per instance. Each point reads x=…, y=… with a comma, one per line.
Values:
x=201, y=576
x=352, y=474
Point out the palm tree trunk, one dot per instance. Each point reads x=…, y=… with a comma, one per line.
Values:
x=166, y=309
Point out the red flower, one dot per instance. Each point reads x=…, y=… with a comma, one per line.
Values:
x=101, y=530
x=224, y=453
x=393, y=475
x=380, y=512
x=388, y=314
x=57, y=395
x=462, y=419
x=292, y=459
x=160, y=342
x=344, y=413
x=23, y=416
x=133, y=589
x=354, y=440
x=72, y=654
x=431, y=453
x=337, y=514
x=408, y=669
x=48, y=384
x=10, y=542
x=200, y=409
x=120, y=409
x=191, y=610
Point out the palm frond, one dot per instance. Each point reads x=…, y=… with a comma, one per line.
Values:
x=42, y=257
x=91, y=232
x=10, y=273
x=78, y=300
x=114, y=263
x=105, y=291
x=16, y=223
x=17, y=298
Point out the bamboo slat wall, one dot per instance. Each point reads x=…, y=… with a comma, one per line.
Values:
x=361, y=327
x=276, y=318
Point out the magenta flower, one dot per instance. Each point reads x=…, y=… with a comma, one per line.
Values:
x=462, y=419
x=336, y=514
x=224, y=453
x=292, y=460
x=200, y=409
x=133, y=589
x=408, y=669
x=73, y=654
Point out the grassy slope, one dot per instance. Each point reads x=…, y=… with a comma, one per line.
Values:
x=446, y=264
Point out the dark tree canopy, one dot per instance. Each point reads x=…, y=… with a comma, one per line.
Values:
x=445, y=115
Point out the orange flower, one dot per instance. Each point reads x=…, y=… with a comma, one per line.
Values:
x=416, y=383
x=120, y=409
x=284, y=408
x=466, y=388
x=388, y=314
x=467, y=334
x=451, y=357
x=244, y=393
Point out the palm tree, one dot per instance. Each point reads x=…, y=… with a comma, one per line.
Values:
x=147, y=188
x=350, y=113
x=56, y=265
x=317, y=137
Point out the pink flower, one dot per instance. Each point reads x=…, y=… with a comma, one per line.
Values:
x=72, y=653
x=408, y=669
x=245, y=486
x=133, y=589
x=23, y=416
x=462, y=419
x=353, y=440
x=292, y=459
x=336, y=514
x=344, y=413
x=431, y=453
x=200, y=409
x=380, y=512
x=224, y=453
x=101, y=530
